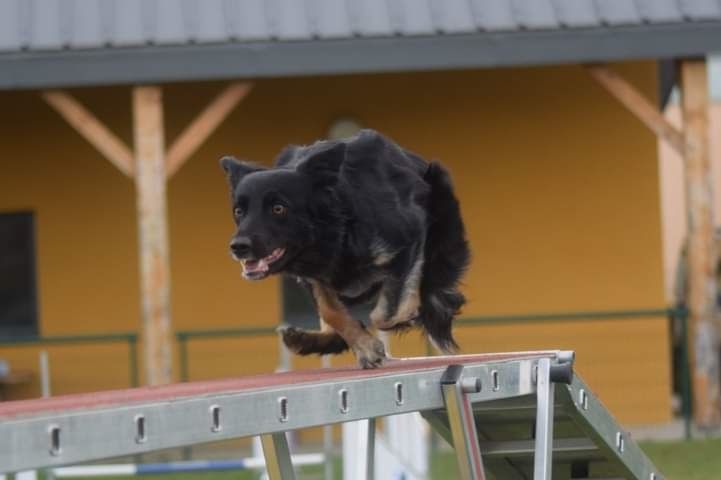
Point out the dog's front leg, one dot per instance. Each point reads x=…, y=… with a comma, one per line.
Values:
x=368, y=349
x=307, y=342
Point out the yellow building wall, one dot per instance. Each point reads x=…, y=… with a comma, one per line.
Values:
x=558, y=186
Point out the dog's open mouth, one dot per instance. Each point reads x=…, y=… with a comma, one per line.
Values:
x=259, y=269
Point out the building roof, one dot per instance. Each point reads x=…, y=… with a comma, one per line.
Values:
x=81, y=42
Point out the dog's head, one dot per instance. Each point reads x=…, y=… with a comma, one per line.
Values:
x=274, y=209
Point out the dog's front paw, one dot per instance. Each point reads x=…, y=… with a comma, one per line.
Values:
x=370, y=352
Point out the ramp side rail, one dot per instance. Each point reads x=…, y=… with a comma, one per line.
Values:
x=69, y=430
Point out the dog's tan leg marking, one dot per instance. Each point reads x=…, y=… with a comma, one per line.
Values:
x=379, y=314
x=409, y=304
x=324, y=327
x=368, y=349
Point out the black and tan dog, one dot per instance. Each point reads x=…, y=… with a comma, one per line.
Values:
x=355, y=220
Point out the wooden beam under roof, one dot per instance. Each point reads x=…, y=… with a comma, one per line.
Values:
x=92, y=129
x=204, y=125
x=638, y=104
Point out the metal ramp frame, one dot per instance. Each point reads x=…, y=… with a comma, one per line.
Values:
x=510, y=416
x=560, y=432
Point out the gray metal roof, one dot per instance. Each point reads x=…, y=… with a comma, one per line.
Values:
x=76, y=42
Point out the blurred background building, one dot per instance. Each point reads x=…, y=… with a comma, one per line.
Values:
x=559, y=183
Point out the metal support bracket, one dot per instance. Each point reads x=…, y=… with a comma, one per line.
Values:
x=277, y=456
x=462, y=422
x=542, y=458
x=371, y=449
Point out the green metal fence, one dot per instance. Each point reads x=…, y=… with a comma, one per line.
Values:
x=130, y=338
x=184, y=336
x=564, y=317
x=666, y=314
x=682, y=370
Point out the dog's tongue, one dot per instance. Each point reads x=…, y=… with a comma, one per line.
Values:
x=257, y=269
x=255, y=266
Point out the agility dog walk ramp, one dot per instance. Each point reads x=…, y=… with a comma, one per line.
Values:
x=509, y=416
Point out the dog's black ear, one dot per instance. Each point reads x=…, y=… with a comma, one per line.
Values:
x=286, y=156
x=235, y=169
x=323, y=167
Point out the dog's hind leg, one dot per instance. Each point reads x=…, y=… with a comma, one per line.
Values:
x=368, y=349
x=399, y=300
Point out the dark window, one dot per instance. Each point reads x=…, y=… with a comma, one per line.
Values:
x=299, y=309
x=18, y=296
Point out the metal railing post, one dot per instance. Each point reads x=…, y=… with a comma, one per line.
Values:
x=371, y=449
x=187, y=452
x=327, y=435
x=133, y=360
x=183, y=354
x=462, y=422
x=686, y=391
x=542, y=458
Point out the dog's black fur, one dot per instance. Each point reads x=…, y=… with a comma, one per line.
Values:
x=360, y=219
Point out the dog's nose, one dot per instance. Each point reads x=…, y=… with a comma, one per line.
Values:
x=240, y=246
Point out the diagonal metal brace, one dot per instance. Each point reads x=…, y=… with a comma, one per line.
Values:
x=277, y=456
x=462, y=423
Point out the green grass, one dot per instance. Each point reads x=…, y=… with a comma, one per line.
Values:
x=694, y=460
x=314, y=472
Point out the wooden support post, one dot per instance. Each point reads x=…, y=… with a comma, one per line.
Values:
x=704, y=331
x=150, y=166
x=153, y=232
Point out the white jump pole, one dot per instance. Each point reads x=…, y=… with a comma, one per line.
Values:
x=402, y=451
x=327, y=434
x=44, y=364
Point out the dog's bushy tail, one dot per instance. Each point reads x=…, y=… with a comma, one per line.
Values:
x=446, y=259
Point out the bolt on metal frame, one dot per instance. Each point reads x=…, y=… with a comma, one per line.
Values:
x=479, y=403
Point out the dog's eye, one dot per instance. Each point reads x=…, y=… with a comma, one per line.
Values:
x=279, y=209
x=237, y=212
